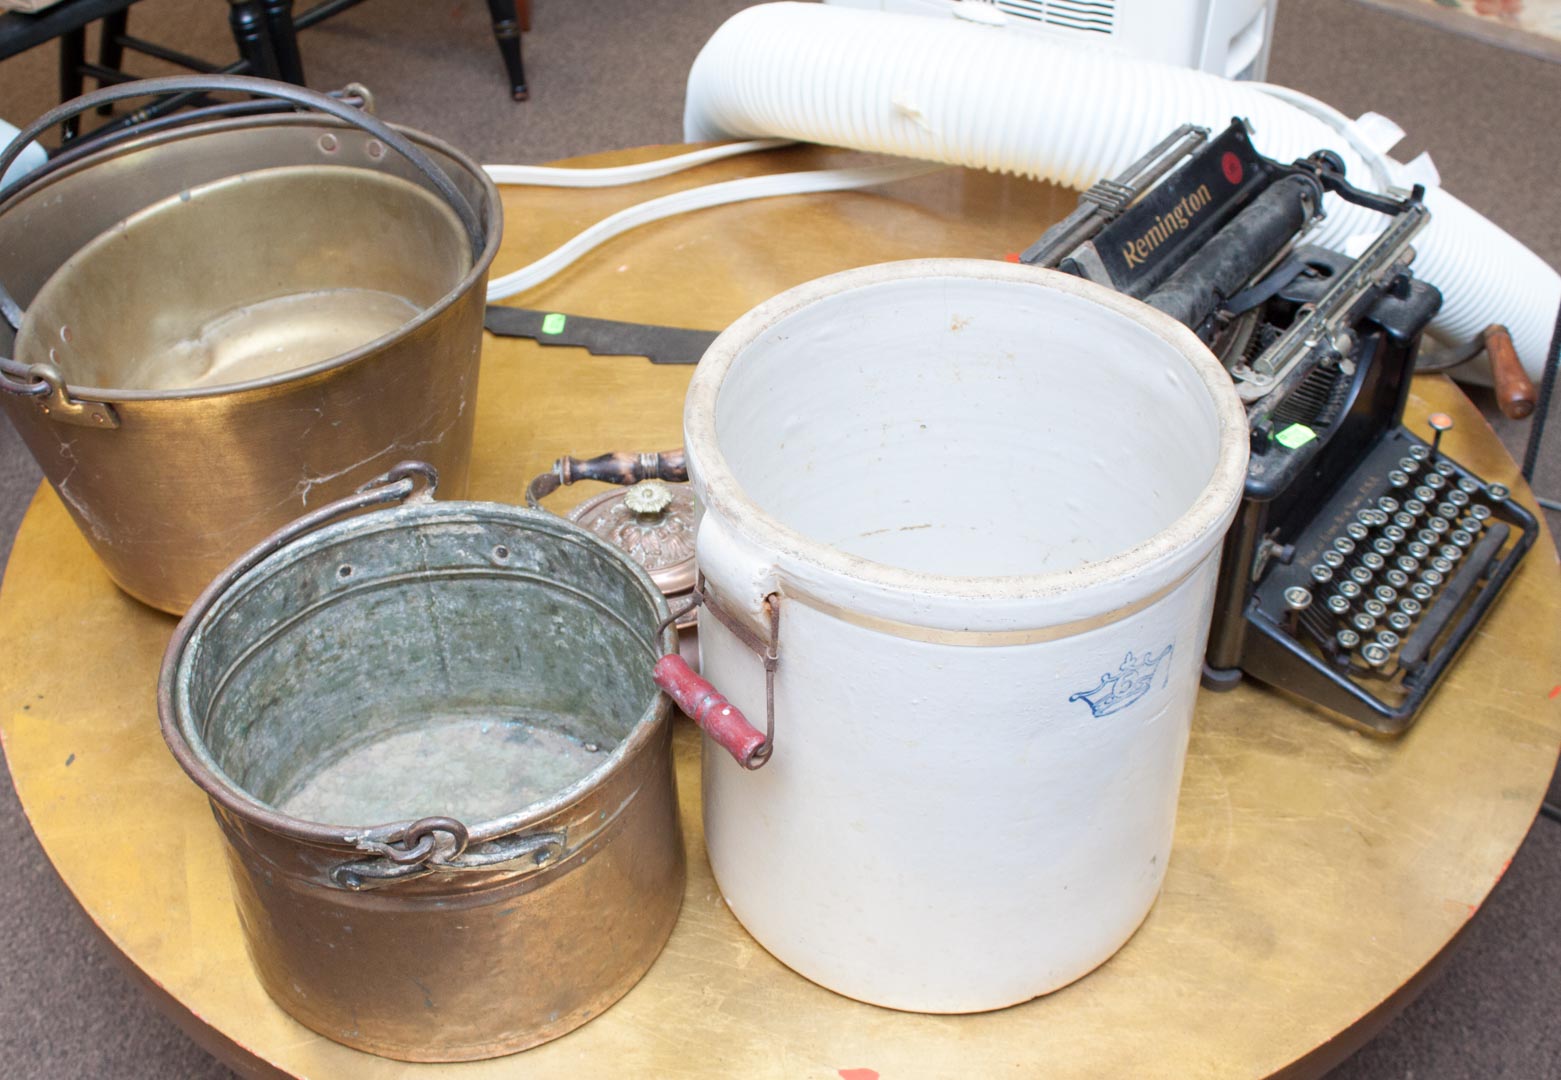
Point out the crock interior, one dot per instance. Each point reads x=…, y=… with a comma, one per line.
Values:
x=966, y=426
x=467, y=668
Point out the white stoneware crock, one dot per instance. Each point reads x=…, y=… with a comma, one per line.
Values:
x=989, y=499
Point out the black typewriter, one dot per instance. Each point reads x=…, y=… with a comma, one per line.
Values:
x=1362, y=557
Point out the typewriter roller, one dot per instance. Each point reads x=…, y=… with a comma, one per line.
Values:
x=1362, y=557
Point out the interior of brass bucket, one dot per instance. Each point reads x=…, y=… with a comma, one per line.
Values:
x=478, y=677
x=250, y=276
x=230, y=320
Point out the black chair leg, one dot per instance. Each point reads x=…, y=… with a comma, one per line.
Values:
x=284, y=40
x=248, y=23
x=73, y=54
x=506, y=29
x=111, y=54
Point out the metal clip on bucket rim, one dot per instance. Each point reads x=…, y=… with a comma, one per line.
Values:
x=404, y=850
x=48, y=381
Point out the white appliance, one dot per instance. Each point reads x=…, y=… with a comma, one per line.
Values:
x=1225, y=37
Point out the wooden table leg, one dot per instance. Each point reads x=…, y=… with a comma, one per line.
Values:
x=284, y=40
x=73, y=54
x=247, y=20
x=111, y=53
x=506, y=29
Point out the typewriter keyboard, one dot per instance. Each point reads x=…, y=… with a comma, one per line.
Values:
x=1386, y=570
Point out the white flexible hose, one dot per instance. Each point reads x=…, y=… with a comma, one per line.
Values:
x=679, y=202
x=612, y=176
x=957, y=92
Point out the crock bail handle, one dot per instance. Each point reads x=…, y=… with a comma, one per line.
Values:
x=245, y=84
x=620, y=467
x=708, y=707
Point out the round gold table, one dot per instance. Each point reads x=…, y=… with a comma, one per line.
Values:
x=1316, y=875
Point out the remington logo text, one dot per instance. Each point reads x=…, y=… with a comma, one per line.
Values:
x=1166, y=226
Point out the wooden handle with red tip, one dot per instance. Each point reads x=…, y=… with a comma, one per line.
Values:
x=1515, y=393
x=716, y=716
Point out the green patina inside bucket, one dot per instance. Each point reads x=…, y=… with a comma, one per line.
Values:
x=463, y=660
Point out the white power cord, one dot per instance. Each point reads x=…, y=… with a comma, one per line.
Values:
x=554, y=176
x=680, y=202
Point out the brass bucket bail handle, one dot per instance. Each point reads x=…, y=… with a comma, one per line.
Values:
x=269, y=88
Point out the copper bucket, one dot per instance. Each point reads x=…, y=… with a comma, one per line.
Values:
x=431, y=738
x=233, y=319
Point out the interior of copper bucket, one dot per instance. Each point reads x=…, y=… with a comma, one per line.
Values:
x=427, y=661
x=246, y=277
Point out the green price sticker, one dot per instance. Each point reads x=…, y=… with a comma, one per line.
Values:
x=1295, y=436
x=553, y=323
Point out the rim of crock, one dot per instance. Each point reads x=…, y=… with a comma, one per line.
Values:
x=1209, y=513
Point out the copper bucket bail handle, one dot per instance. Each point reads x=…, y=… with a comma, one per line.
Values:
x=418, y=843
x=244, y=84
x=707, y=706
x=620, y=467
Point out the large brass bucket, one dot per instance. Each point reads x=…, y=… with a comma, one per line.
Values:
x=431, y=738
x=232, y=320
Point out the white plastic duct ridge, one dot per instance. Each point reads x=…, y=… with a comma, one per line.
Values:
x=965, y=94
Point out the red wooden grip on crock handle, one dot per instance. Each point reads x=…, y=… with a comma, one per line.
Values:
x=718, y=718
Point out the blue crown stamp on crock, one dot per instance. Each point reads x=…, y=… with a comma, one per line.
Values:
x=1119, y=689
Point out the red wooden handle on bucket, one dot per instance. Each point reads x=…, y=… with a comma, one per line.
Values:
x=719, y=718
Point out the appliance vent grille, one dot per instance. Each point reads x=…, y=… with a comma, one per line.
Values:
x=1093, y=16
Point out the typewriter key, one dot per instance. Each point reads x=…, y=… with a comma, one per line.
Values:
x=1467, y=486
x=1347, y=639
x=1360, y=575
x=1415, y=507
x=1471, y=524
x=1398, y=478
x=1424, y=494
x=1438, y=525
x=1422, y=592
x=1442, y=565
x=1363, y=623
x=1407, y=564
x=1419, y=453
x=1387, y=639
x=1446, y=510
x=1480, y=512
x=1375, y=608
x=1397, y=578
x=1297, y=600
x=1432, y=577
x=1386, y=593
x=1394, y=533
x=1497, y=492
x=1459, y=499
x=1461, y=538
x=1450, y=554
x=1400, y=622
x=1404, y=519
x=1332, y=559
x=1435, y=481
x=1322, y=574
x=1387, y=504
x=1383, y=546
x=1350, y=590
x=1409, y=465
x=1338, y=605
x=1356, y=531
x=1419, y=549
x=1344, y=545
x=1445, y=469
x=1375, y=653
x=1409, y=606
x=1372, y=561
